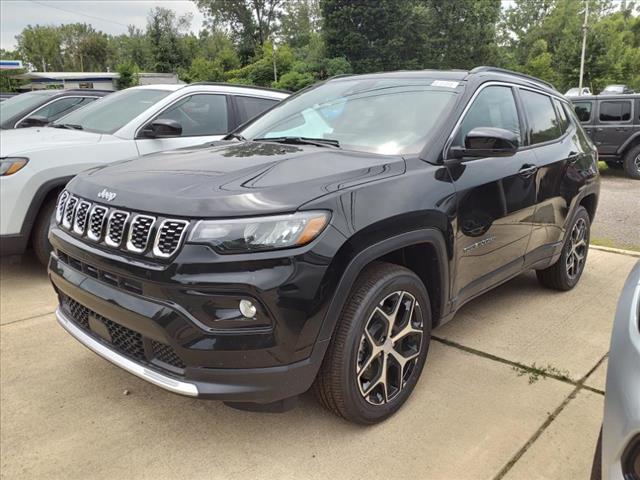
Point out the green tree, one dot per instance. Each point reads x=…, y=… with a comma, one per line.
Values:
x=164, y=31
x=251, y=22
x=40, y=47
x=128, y=75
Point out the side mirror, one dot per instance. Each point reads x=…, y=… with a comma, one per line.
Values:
x=487, y=142
x=33, y=121
x=162, y=128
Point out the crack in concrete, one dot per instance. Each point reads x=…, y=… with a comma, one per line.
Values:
x=27, y=318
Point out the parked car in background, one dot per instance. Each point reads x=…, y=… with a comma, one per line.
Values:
x=36, y=109
x=577, y=92
x=613, y=123
x=618, y=454
x=35, y=163
x=616, y=90
x=323, y=244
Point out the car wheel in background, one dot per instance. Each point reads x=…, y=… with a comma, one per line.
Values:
x=566, y=272
x=379, y=347
x=40, y=233
x=632, y=162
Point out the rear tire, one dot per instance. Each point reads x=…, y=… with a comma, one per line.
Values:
x=632, y=163
x=40, y=234
x=379, y=347
x=566, y=272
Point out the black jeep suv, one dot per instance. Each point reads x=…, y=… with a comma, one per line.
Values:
x=323, y=242
x=613, y=123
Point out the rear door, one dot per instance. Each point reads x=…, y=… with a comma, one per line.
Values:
x=248, y=108
x=495, y=199
x=614, y=124
x=204, y=117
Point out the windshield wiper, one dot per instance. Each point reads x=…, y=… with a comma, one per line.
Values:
x=70, y=126
x=318, y=142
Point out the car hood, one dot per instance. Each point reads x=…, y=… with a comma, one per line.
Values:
x=25, y=140
x=233, y=179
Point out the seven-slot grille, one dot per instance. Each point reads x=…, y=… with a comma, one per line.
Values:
x=119, y=228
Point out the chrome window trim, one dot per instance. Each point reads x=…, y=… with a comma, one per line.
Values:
x=90, y=234
x=156, y=250
x=129, y=245
x=107, y=239
x=86, y=217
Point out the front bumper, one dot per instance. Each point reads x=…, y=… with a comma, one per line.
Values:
x=132, y=316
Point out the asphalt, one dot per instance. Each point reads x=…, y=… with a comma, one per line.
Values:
x=478, y=411
x=617, y=222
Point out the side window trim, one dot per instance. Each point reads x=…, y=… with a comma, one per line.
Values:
x=227, y=96
x=611, y=122
x=37, y=109
x=465, y=111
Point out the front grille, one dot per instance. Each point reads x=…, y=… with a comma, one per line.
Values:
x=80, y=221
x=79, y=313
x=124, y=339
x=139, y=233
x=169, y=237
x=69, y=211
x=165, y=353
x=115, y=228
x=62, y=202
x=96, y=222
x=143, y=234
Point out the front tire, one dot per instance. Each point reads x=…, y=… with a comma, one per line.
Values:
x=40, y=234
x=566, y=272
x=379, y=347
x=632, y=162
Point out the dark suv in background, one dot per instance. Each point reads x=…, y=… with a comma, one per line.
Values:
x=321, y=244
x=613, y=123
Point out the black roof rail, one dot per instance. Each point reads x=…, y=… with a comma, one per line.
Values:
x=485, y=68
x=225, y=84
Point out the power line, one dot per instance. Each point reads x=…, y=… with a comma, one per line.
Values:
x=79, y=13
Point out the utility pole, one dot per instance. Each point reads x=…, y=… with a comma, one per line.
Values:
x=273, y=56
x=584, y=44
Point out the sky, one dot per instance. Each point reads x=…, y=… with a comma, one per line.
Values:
x=110, y=16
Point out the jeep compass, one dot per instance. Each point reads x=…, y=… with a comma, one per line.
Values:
x=320, y=244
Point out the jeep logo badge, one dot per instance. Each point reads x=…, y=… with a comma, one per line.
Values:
x=107, y=195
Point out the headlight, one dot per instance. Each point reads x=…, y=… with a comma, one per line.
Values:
x=10, y=165
x=260, y=233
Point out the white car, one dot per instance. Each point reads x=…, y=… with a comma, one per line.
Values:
x=35, y=163
x=576, y=92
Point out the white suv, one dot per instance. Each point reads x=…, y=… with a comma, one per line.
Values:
x=35, y=163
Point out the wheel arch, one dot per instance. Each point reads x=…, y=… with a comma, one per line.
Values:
x=631, y=142
x=47, y=190
x=427, y=245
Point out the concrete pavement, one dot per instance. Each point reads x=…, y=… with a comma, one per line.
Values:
x=476, y=412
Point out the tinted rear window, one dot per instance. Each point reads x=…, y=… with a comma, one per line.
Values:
x=611, y=111
x=541, y=116
x=583, y=111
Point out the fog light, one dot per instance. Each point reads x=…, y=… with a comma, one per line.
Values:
x=247, y=308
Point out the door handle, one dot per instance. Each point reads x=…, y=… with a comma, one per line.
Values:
x=599, y=129
x=527, y=171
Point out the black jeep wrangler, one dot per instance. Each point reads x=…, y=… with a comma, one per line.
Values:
x=613, y=123
x=321, y=243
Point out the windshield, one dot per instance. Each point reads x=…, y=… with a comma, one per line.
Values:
x=114, y=111
x=385, y=115
x=23, y=103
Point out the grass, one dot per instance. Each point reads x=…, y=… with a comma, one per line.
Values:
x=605, y=242
x=535, y=372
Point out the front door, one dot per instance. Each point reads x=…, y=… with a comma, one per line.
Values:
x=204, y=117
x=495, y=200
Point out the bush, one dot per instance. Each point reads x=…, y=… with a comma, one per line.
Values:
x=294, y=81
x=128, y=75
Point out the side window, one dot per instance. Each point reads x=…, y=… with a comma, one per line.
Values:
x=249, y=107
x=583, y=111
x=493, y=107
x=541, y=116
x=199, y=114
x=611, y=111
x=59, y=108
x=562, y=116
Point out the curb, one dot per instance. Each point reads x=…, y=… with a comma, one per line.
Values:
x=620, y=251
